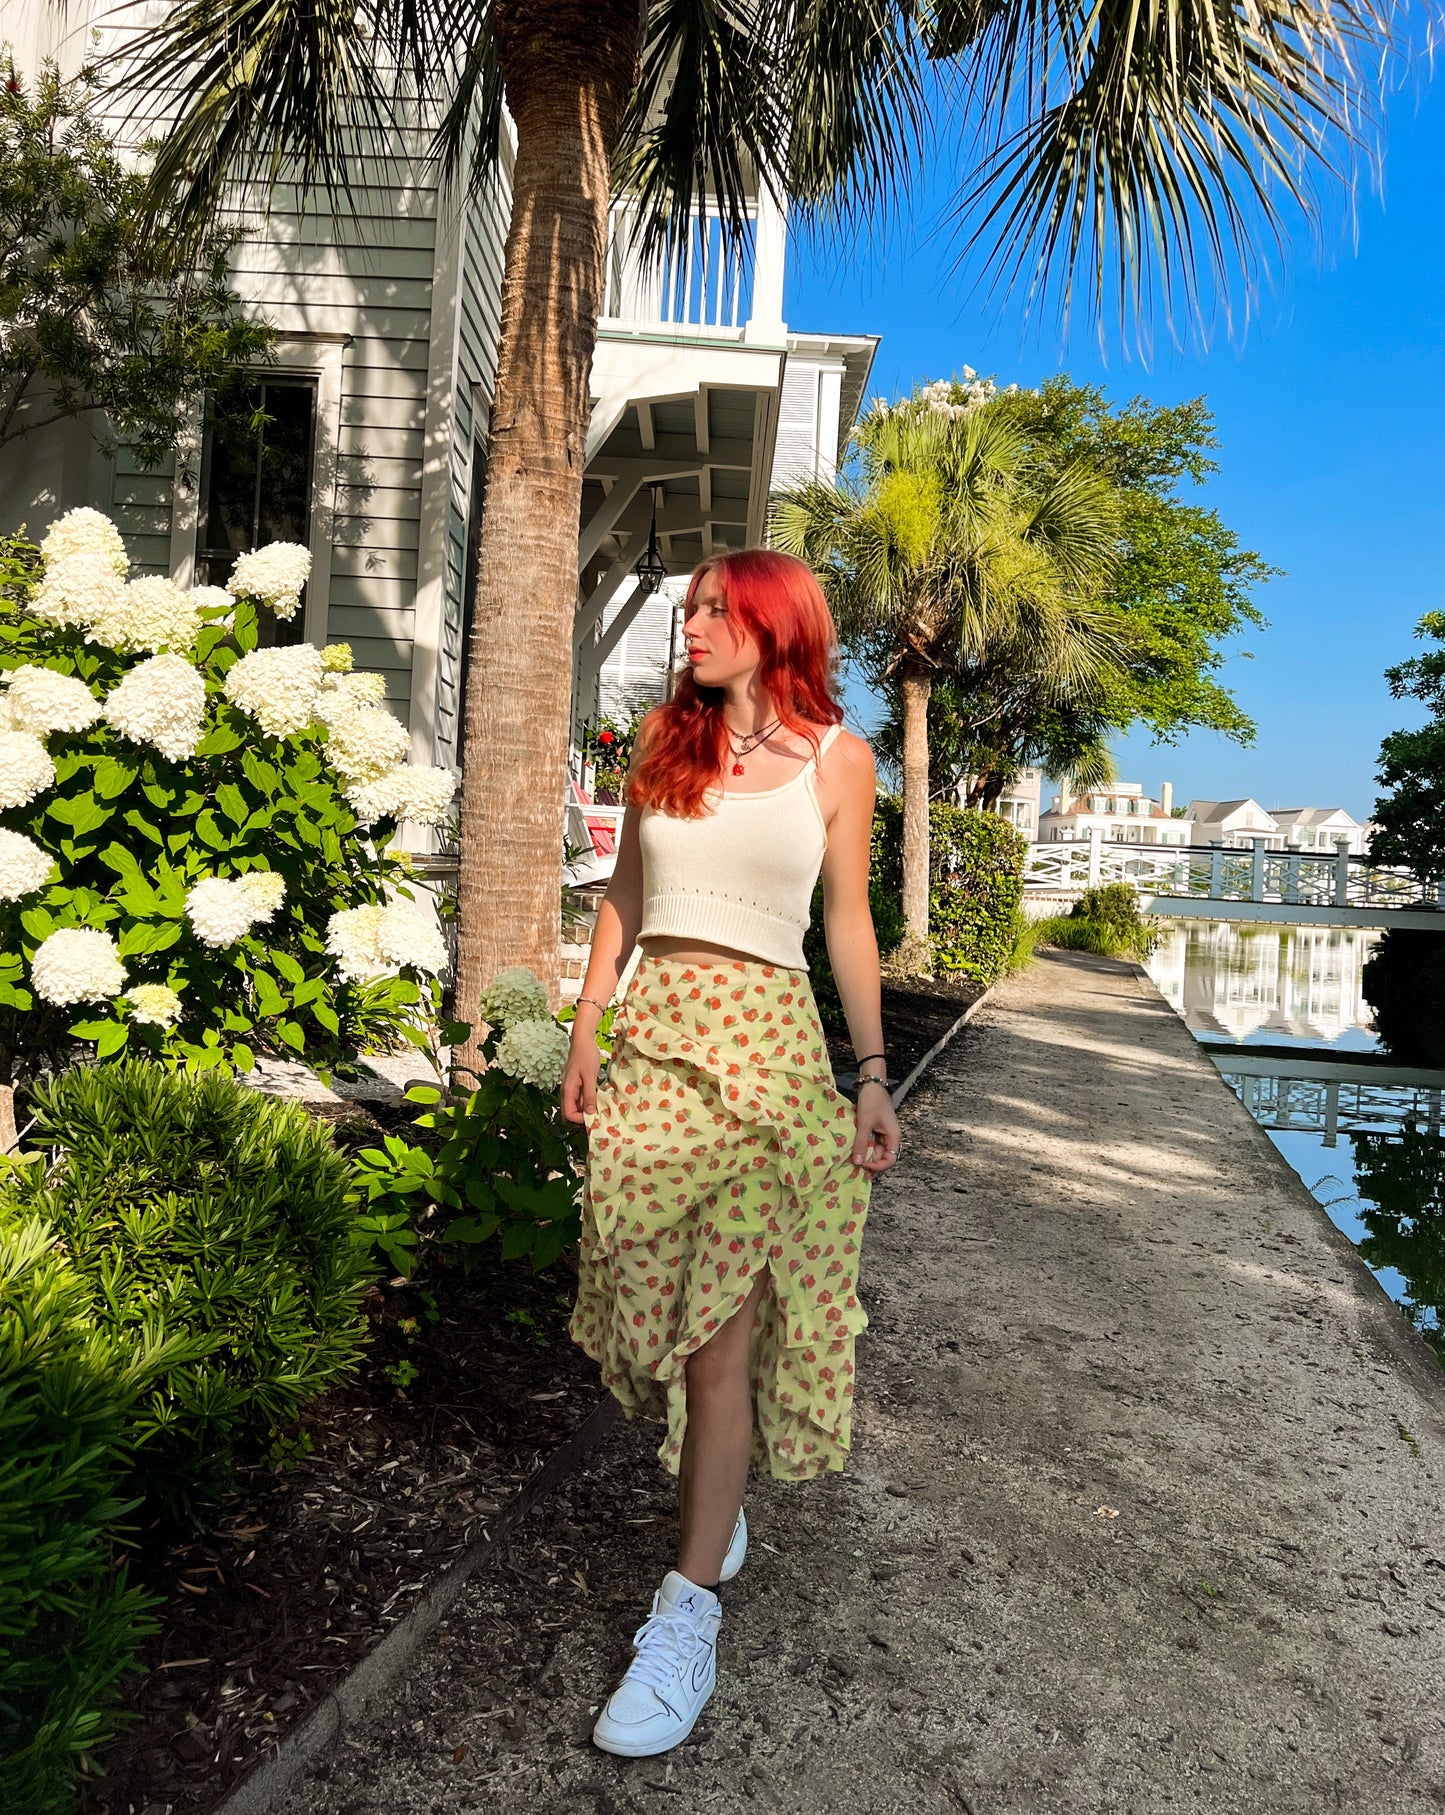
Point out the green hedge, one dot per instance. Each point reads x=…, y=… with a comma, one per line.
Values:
x=200, y=1210
x=977, y=869
x=69, y=1626
x=976, y=884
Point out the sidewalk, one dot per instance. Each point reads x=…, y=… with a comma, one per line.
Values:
x=1144, y=1509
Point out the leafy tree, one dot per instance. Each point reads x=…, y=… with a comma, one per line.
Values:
x=944, y=554
x=1123, y=143
x=1411, y=817
x=98, y=316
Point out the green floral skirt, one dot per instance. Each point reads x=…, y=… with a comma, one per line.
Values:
x=720, y=1148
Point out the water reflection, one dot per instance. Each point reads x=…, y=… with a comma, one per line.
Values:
x=1282, y=1012
x=1267, y=983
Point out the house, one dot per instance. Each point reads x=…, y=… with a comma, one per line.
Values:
x=1232, y=823
x=376, y=412
x=1122, y=813
x=1320, y=829
x=1019, y=803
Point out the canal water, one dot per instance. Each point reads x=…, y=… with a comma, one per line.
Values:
x=1283, y=1014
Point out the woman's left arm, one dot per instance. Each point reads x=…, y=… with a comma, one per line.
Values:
x=852, y=944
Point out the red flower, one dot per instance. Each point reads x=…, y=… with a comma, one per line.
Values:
x=606, y=737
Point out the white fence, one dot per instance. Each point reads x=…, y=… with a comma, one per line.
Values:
x=1215, y=873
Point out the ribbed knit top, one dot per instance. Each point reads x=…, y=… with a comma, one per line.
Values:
x=741, y=877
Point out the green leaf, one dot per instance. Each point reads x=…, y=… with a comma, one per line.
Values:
x=220, y=742
x=144, y=826
x=288, y=966
x=455, y=1033
x=112, y=1037
x=243, y=1058
x=208, y=830
x=423, y=1093
x=327, y=1017
x=138, y=940
x=112, y=777
x=38, y=922
x=269, y=1000
x=292, y=1035
x=232, y=803
x=81, y=812
x=90, y=1030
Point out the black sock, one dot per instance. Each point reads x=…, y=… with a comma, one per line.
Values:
x=712, y=1587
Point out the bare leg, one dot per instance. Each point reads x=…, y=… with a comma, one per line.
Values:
x=715, y=1450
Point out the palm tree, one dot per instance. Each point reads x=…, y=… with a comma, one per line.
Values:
x=1109, y=138
x=942, y=558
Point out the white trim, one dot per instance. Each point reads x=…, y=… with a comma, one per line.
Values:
x=430, y=598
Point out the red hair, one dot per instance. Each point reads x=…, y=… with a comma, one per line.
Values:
x=775, y=599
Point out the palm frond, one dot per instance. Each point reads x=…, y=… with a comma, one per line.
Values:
x=1149, y=141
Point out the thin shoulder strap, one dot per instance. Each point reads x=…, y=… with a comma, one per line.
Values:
x=825, y=742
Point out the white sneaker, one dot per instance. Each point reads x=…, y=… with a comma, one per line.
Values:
x=737, y=1549
x=668, y=1682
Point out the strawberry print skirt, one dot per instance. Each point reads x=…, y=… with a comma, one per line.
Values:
x=720, y=1148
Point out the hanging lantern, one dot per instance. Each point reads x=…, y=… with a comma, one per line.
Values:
x=651, y=569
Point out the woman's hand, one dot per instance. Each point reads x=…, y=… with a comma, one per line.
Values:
x=579, y=1077
x=875, y=1145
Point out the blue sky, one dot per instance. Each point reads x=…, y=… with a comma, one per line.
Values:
x=1331, y=416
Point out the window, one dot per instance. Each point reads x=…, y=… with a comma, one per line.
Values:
x=257, y=462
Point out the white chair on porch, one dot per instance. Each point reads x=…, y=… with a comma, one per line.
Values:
x=592, y=831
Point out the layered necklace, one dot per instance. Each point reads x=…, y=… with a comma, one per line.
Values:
x=745, y=746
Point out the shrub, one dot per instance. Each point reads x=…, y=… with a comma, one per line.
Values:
x=69, y=1625
x=193, y=829
x=976, y=884
x=1116, y=905
x=197, y=1210
x=885, y=901
x=1105, y=921
x=498, y=1161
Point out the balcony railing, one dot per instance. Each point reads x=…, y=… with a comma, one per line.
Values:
x=703, y=284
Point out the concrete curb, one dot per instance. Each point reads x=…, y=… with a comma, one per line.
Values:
x=379, y=1672
x=346, y=1704
x=938, y=1046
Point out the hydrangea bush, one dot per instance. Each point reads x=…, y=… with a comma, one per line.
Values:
x=193, y=829
x=497, y=1162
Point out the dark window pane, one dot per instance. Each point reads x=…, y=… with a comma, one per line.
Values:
x=469, y=584
x=256, y=478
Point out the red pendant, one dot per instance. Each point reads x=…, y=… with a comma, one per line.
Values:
x=737, y=768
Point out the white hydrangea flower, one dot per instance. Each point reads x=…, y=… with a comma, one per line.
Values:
x=275, y=575
x=152, y=613
x=40, y=700
x=211, y=598
x=221, y=909
x=162, y=702
x=154, y=1004
x=378, y=941
x=78, y=589
x=515, y=994
x=362, y=687
x=411, y=791
x=77, y=964
x=84, y=531
x=25, y=768
x=535, y=1051
x=363, y=742
x=278, y=687
x=266, y=889
x=336, y=658
x=24, y=866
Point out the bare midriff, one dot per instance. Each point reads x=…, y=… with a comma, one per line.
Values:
x=683, y=951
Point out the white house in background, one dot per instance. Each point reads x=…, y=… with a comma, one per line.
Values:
x=824, y=379
x=1019, y=803
x=1122, y=813
x=388, y=325
x=1319, y=829
x=1232, y=823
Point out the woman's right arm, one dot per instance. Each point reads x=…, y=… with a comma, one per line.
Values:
x=619, y=920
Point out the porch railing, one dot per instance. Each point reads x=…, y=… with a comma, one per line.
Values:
x=702, y=283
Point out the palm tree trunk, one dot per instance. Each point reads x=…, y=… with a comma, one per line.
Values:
x=917, y=683
x=569, y=68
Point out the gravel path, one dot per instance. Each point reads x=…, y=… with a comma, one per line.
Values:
x=1143, y=1512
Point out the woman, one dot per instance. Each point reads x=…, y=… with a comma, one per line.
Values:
x=727, y=1181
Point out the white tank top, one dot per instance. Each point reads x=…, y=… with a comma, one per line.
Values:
x=741, y=877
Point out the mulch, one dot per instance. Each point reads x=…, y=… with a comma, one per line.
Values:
x=469, y=1384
